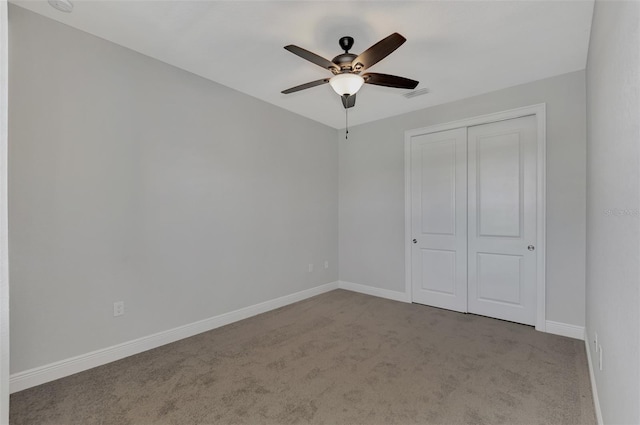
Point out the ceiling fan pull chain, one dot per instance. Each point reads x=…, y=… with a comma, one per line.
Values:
x=346, y=126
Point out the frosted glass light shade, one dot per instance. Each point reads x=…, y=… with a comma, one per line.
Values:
x=346, y=83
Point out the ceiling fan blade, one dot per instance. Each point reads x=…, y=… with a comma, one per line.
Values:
x=306, y=86
x=389, y=81
x=378, y=51
x=311, y=57
x=348, y=101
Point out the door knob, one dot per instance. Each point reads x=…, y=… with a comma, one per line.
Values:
x=415, y=241
x=531, y=247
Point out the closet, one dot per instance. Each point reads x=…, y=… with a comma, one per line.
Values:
x=473, y=218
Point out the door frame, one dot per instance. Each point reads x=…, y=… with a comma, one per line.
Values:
x=539, y=110
x=4, y=244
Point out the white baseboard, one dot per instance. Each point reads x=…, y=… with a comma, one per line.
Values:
x=42, y=374
x=376, y=292
x=592, y=375
x=565, y=329
x=39, y=375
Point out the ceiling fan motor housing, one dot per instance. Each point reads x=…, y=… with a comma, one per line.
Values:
x=345, y=60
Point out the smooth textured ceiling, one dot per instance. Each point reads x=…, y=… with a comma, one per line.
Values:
x=455, y=49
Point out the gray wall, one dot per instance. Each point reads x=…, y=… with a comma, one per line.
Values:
x=372, y=189
x=613, y=205
x=133, y=180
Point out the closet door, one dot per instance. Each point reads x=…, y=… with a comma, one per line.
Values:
x=439, y=219
x=502, y=220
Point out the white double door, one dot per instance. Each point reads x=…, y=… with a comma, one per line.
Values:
x=473, y=209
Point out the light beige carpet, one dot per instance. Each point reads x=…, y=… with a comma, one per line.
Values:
x=339, y=358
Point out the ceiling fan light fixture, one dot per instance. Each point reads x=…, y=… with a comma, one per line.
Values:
x=346, y=84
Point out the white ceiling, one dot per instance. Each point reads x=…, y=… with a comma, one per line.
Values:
x=456, y=49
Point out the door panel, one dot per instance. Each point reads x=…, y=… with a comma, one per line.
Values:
x=438, y=204
x=495, y=274
x=499, y=181
x=439, y=271
x=502, y=219
x=439, y=219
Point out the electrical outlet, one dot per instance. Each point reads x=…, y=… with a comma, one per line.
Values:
x=596, y=342
x=310, y=268
x=600, y=350
x=118, y=308
x=326, y=264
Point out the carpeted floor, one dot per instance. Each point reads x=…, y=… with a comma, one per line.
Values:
x=338, y=358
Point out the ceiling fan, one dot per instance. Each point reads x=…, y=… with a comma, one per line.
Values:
x=346, y=68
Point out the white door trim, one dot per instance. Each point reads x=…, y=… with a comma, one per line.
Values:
x=4, y=254
x=539, y=111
